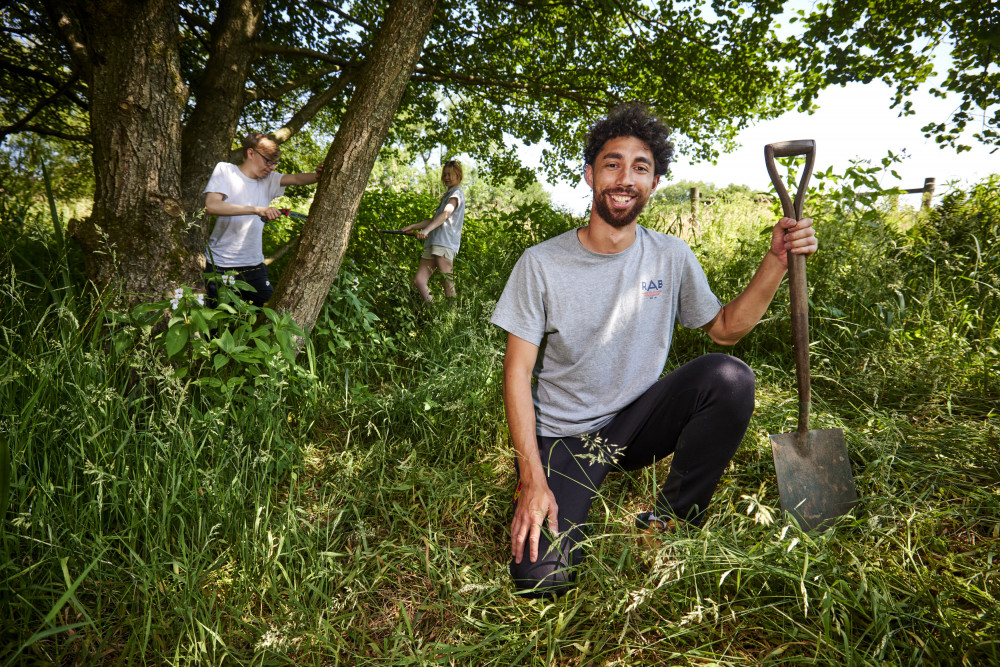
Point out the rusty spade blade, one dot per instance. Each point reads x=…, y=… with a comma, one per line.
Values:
x=814, y=473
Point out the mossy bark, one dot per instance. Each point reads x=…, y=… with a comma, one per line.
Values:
x=131, y=240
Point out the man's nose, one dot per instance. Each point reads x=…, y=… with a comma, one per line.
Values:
x=625, y=177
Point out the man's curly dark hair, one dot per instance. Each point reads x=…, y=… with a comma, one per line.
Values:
x=632, y=120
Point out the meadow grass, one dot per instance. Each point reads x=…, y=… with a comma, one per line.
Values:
x=364, y=520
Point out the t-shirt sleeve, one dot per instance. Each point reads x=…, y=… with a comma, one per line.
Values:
x=697, y=304
x=218, y=182
x=521, y=308
x=274, y=187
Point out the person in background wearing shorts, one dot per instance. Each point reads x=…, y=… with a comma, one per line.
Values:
x=241, y=195
x=441, y=234
x=589, y=316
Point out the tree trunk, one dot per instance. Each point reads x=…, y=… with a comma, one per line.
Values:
x=131, y=241
x=219, y=95
x=306, y=282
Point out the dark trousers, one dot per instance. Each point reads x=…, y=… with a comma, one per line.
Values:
x=256, y=276
x=699, y=413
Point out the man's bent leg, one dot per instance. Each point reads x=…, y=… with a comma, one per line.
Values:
x=700, y=413
x=573, y=476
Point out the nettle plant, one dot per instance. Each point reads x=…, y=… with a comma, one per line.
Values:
x=234, y=347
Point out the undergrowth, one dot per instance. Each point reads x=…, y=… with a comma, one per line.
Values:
x=353, y=507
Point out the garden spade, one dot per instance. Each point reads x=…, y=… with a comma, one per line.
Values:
x=814, y=473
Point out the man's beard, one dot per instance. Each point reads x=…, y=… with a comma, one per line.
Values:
x=614, y=217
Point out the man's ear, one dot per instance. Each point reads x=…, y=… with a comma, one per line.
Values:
x=656, y=181
x=588, y=175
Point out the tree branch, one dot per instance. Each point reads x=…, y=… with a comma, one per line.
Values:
x=68, y=31
x=282, y=49
x=344, y=15
x=575, y=95
x=282, y=251
x=276, y=92
x=41, y=104
x=42, y=77
x=311, y=108
x=49, y=132
x=196, y=20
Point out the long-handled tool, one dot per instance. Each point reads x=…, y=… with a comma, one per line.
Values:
x=412, y=232
x=814, y=473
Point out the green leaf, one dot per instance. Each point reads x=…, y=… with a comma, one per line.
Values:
x=176, y=339
x=226, y=343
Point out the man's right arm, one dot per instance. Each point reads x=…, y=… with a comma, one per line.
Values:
x=536, y=501
x=216, y=205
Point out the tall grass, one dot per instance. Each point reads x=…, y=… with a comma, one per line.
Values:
x=365, y=520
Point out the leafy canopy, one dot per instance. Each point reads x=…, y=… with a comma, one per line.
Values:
x=542, y=70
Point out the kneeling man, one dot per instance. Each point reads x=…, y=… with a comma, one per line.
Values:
x=589, y=316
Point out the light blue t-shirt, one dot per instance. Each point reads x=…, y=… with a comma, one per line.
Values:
x=449, y=234
x=603, y=323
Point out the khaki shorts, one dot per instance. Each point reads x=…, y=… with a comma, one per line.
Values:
x=440, y=251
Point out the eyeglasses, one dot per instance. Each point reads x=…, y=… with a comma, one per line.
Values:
x=269, y=162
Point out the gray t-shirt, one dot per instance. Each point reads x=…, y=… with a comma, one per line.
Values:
x=603, y=323
x=449, y=234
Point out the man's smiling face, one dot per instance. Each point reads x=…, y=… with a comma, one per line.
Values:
x=622, y=179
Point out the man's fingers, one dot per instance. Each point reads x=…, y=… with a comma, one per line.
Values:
x=518, y=531
x=536, y=530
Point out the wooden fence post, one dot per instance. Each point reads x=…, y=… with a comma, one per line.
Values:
x=928, y=193
x=694, y=209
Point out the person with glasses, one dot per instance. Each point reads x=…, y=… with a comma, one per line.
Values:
x=240, y=196
x=441, y=234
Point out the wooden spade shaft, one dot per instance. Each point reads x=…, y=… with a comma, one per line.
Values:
x=812, y=467
x=796, y=265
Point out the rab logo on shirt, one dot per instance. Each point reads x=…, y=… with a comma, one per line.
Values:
x=651, y=288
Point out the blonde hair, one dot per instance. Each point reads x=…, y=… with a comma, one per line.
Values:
x=455, y=166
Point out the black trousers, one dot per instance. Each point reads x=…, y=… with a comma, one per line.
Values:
x=699, y=413
x=256, y=276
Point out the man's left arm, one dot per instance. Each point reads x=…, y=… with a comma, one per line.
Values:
x=305, y=178
x=743, y=313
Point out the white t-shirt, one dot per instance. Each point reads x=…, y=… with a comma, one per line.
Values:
x=603, y=323
x=236, y=239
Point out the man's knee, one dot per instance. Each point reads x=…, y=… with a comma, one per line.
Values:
x=734, y=381
x=553, y=573
x=544, y=578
